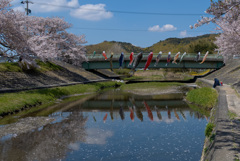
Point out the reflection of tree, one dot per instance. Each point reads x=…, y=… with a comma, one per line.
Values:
x=198, y=115
x=50, y=143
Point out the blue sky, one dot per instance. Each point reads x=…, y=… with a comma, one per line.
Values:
x=100, y=20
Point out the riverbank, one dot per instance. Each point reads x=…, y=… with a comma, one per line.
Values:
x=15, y=102
x=224, y=142
x=13, y=78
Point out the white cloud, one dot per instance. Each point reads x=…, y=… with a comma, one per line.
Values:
x=92, y=12
x=97, y=136
x=19, y=8
x=183, y=33
x=74, y=146
x=73, y=3
x=157, y=28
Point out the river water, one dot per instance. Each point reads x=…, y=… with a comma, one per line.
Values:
x=112, y=126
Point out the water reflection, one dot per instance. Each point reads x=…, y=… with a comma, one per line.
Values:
x=121, y=112
x=150, y=115
x=105, y=117
x=131, y=114
x=48, y=143
x=85, y=131
x=183, y=115
x=176, y=115
x=158, y=113
x=137, y=110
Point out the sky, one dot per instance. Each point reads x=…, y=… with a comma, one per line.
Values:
x=139, y=22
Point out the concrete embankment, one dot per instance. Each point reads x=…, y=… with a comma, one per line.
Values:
x=225, y=145
x=67, y=75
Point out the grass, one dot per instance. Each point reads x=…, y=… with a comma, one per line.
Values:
x=134, y=78
x=151, y=87
x=14, y=67
x=10, y=67
x=209, y=129
x=122, y=71
x=206, y=97
x=47, y=66
x=232, y=115
x=14, y=102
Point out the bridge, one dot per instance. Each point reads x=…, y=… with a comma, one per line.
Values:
x=213, y=61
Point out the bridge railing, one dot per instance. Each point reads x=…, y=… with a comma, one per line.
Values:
x=164, y=55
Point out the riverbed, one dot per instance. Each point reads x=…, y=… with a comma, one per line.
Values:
x=109, y=126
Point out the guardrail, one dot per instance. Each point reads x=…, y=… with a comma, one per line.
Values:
x=164, y=55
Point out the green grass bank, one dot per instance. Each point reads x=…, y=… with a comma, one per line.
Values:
x=14, y=102
x=205, y=97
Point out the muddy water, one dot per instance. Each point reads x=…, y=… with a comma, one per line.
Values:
x=110, y=126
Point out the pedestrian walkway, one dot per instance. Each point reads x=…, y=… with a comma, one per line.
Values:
x=233, y=98
x=227, y=141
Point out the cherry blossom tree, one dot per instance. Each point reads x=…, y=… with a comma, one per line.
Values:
x=31, y=37
x=11, y=39
x=221, y=10
x=225, y=13
x=229, y=40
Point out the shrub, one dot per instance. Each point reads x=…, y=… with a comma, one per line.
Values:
x=209, y=129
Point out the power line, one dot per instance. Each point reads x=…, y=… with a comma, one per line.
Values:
x=109, y=29
x=131, y=30
x=126, y=12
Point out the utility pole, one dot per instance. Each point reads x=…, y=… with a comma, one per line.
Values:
x=26, y=9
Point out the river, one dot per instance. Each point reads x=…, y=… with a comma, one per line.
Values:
x=111, y=126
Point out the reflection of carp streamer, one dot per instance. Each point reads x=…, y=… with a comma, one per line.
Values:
x=176, y=57
x=158, y=113
x=176, y=115
x=131, y=114
x=131, y=57
x=149, y=59
x=121, y=59
x=158, y=58
x=169, y=114
x=137, y=61
x=183, y=115
x=121, y=113
x=137, y=110
x=182, y=57
x=105, y=117
x=204, y=58
x=150, y=115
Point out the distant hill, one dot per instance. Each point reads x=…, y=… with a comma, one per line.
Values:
x=113, y=46
x=190, y=44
